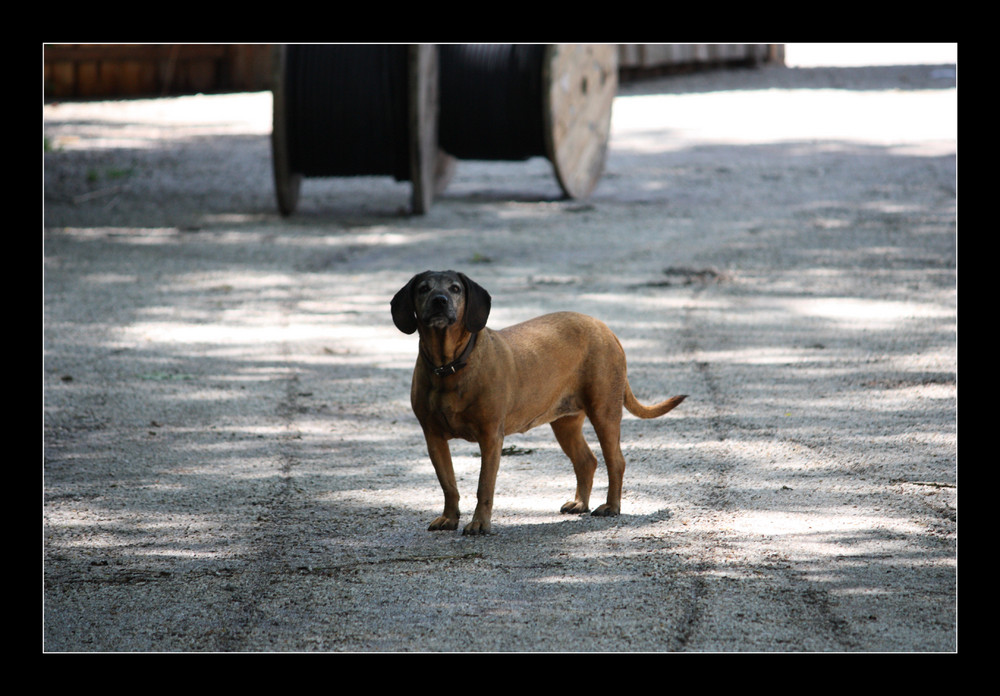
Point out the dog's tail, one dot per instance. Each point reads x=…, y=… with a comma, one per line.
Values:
x=637, y=409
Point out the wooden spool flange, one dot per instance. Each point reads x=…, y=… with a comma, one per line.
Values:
x=579, y=83
x=423, y=127
x=286, y=182
x=422, y=95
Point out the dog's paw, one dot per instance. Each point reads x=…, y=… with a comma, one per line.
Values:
x=476, y=527
x=443, y=523
x=606, y=511
x=574, y=507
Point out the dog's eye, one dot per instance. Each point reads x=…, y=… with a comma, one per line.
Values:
x=423, y=288
x=456, y=289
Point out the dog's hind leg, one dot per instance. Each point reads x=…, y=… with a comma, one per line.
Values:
x=608, y=429
x=569, y=433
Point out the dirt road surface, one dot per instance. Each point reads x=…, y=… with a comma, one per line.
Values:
x=230, y=458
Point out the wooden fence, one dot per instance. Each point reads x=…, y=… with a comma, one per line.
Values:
x=82, y=71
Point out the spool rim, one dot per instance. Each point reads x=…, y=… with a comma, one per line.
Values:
x=578, y=177
x=423, y=101
x=286, y=182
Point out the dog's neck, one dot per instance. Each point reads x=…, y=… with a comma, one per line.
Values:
x=446, y=350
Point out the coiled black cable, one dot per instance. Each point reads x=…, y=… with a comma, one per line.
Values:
x=347, y=110
x=491, y=101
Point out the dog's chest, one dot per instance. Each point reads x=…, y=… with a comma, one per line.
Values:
x=450, y=412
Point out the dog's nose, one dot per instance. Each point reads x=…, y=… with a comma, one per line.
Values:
x=439, y=301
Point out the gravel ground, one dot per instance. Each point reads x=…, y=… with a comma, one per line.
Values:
x=230, y=459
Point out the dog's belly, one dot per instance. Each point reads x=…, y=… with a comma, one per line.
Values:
x=567, y=405
x=464, y=422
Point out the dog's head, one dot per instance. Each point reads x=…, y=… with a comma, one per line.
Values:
x=438, y=299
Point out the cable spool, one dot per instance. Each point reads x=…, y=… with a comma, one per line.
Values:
x=491, y=101
x=516, y=101
x=354, y=110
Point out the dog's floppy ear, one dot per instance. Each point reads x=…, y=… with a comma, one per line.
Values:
x=404, y=313
x=477, y=305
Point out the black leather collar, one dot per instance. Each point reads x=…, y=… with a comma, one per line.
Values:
x=456, y=364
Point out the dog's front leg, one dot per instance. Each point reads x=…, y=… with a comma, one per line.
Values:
x=490, y=449
x=440, y=453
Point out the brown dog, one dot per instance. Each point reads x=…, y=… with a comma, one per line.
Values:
x=480, y=385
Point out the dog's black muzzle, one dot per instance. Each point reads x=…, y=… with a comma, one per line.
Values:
x=439, y=311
